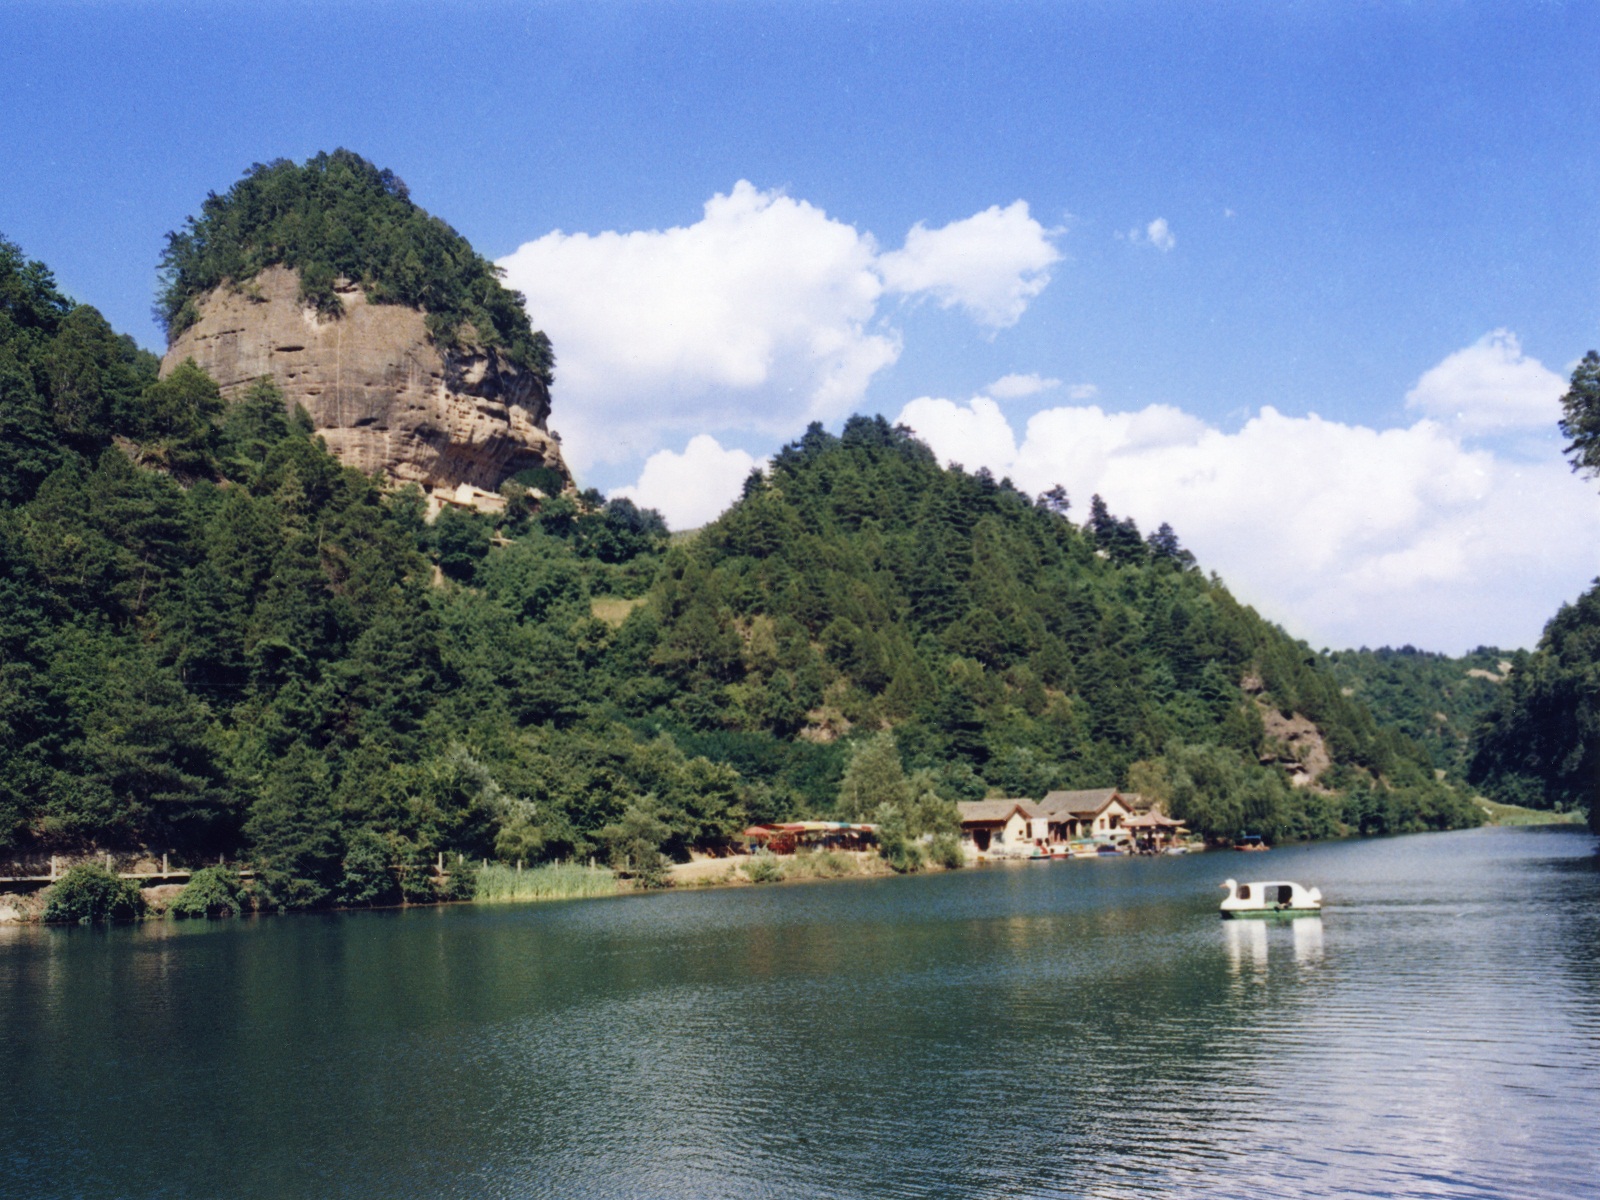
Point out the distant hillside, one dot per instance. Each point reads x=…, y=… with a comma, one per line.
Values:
x=1433, y=699
x=1539, y=744
x=858, y=585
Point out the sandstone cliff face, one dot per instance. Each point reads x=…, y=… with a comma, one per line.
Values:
x=382, y=395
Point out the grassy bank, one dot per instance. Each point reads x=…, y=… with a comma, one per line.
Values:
x=1512, y=814
x=499, y=884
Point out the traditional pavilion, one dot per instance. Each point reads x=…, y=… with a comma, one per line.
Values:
x=1153, y=832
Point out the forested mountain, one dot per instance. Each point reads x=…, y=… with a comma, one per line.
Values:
x=1434, y=699
x=214, y=638
x=859, y=584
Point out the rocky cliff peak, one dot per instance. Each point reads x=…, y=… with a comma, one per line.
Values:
x=459, y=420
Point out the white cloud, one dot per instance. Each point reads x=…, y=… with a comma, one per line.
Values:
x=990, y=264
x=1345, y=534
x=1490, y=386
x=1012, y=387
x=763, y=315
x=1158, y=234
x=975, y=435
x=694, y=487
x=1082, y=391
x=756, y=317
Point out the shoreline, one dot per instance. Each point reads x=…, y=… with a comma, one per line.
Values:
x=701, y=871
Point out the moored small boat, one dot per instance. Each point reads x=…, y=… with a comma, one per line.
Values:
x=1272, y=898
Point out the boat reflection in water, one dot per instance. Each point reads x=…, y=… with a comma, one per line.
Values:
x=1246, y=939
x=1247, y=942
x=1307, y=939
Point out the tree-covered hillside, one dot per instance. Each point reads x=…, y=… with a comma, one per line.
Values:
x=1539, y=745
x=858, y=584
x=1433, y=699
x=214, y=638
x=338, y=216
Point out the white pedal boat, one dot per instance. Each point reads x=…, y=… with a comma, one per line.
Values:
x=1272, y=898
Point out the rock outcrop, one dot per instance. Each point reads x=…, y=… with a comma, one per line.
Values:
x=1293, y=742
x=381, y=394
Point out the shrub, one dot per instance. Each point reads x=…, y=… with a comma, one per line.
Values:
x=763, y=868
x=418, y=883
x=89, y=893
x=210, y=892
x=369, y=876
x=460, y=884
x=825, y=864
x=946, y=852
x=903, y=856
x=899, y=849
x=635, y=843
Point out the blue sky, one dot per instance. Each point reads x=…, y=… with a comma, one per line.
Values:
x=1349, y=195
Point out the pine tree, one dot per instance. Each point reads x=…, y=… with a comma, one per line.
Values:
x=1580, y=416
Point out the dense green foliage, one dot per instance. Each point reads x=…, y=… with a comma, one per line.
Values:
x=67, y=382
x=338, y=216
x=90, y=894
x=910, y=811
x=1580, y=416
x=215, y=639
x=1539, y=746
x=858, y=584
x=1434, y=699
x=210, y=892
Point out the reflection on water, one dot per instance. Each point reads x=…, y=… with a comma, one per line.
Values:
x=1248, y=940
x=1307, y=939
x=1064, y=1029
x=1247, y=943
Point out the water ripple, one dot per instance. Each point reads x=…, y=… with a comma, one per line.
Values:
x=1063, y=1030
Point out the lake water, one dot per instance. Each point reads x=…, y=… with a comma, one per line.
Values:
x=1062, y=1029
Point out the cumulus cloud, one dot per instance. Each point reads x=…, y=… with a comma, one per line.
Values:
x=1012, y=387
x=757, y=316
x=1343, y=533
x=764, y=314
x=990, y=264
x=1158, y=234
x=1489, y=387
x=691, y=488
